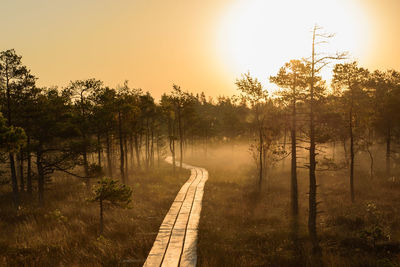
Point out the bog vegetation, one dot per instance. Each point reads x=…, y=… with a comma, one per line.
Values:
x=343, y=136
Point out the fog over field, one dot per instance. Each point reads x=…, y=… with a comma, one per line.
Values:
x=200, y=133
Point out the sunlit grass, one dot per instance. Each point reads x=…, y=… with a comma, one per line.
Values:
x=65, y=231
x=239, y=228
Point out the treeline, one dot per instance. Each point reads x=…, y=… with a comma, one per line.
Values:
x=88, y=130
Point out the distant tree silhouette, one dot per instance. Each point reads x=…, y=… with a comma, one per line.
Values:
x=254, y=93
x=385, y=88
x=12, y=76
x=352, y=79
x=317, y=62
x=80, y=93
x=292, y=78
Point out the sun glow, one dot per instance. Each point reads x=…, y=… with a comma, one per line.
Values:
x=261, y=35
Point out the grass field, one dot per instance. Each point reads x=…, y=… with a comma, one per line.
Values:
x=240, y=228
x=65, y=231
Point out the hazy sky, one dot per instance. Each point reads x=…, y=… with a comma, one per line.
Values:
x=202, y=45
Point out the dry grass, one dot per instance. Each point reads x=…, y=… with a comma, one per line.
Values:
x=65, y=231
x=239, y=228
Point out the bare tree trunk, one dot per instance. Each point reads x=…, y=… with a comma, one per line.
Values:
x=140, y=148
x=312, y=216
x=109, y=160
x=152, y=149
x=294, y=190
x=29, y=168
x=121, y=148
x=180, y=138
x=99, y=150
x=312, y=197
x=388, y=151
x=40, y=175
x=126, y=159
x=86, y=166
x=171, y=131
x=351, y=155
x=371, y=166
x=284, y=144
x=265, y=168
x=172, y=148
x=17, y=162
x=14, y=181
x=294, y=199
x=147, y=144
x=158, y=150
x=132, y=152
x=21, y=170
x=346, y=157
x=114, y=152
x=137, y=151
x=261, y=146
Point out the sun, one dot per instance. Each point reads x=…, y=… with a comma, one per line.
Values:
x=261, y=35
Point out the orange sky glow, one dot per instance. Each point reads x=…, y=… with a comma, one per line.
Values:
x=199, y=45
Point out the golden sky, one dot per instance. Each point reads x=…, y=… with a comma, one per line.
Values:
x=202, y=45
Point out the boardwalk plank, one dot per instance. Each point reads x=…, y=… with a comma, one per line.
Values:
x=176, y=242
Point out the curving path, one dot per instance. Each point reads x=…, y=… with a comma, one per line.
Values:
x=176, y=242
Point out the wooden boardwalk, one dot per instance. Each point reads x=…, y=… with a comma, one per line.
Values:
x=176, y=242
